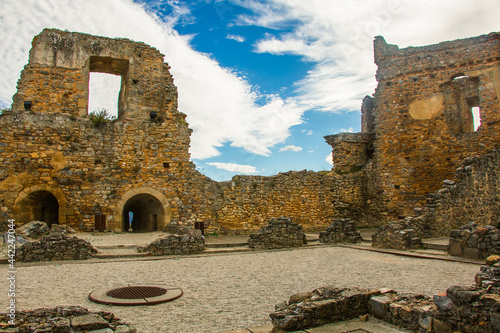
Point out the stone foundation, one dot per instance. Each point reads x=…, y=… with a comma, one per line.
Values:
x=341, y=231
x=459, y=309
x=474, y=242
x=279, y=233
x=189, y=243
x=66, y=319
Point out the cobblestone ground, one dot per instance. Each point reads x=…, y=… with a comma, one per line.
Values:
x=223, y=292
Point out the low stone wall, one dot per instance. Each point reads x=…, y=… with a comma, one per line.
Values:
x=55, y=246
x=341, y=231
x=191, y=242
x=397, y=235
x=459, y=309
x=321, y=306
x=66, y=319
x=279, y=233
x=474, y=242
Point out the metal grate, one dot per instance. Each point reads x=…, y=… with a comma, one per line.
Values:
x=136, y=292
x=128, y=295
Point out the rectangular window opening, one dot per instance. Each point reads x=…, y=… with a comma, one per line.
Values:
x=476, y=117
x=104, y=91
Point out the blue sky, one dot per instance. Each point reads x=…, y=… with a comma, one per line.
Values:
x=261, y=81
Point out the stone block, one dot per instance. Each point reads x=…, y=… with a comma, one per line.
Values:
x=426, y=323
x=455, y=248
x=380, y=305
x=495, y=321
x=439, y=326
x=443, y=302
x=91, y=321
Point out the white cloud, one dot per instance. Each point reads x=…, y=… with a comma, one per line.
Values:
x=291, y=148
x=233, y=167
x=222, y=107
x=329, y=159
x=338, y=37
x=237, y=38
x=349, y=130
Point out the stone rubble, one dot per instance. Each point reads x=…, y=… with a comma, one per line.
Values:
x=192, y=242
x=66, y=319
x=341, y=231
x=55, y=246
x=279, y=233
x=33, y=229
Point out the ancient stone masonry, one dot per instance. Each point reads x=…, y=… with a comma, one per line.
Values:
x=67, y=319
x=279, y=233
x=418, y=126
x=472, y=196
x=475, y=242
x=191, y=242
x=135, y=173
x=55, y=246
x=459, y=309
x=341, y=231
x=397, y=235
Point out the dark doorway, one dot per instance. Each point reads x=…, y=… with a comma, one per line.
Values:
x=41, y=206
x=141, y=213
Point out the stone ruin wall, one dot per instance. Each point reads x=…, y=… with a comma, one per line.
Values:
x=409, y=143
x=472, y=196
x=55, y=151
x=421, y=121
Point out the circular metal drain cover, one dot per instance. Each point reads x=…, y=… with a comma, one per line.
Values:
x=136, y=295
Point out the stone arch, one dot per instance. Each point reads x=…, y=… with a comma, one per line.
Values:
x=41, y=202
x=151, y=210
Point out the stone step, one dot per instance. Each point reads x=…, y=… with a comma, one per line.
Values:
x=225, y=245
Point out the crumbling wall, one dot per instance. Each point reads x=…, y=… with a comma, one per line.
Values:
x=420, y=119
x=423, y=115
x=56, y=79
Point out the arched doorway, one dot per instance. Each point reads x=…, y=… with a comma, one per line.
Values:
x=40, y=206
x=142, y=212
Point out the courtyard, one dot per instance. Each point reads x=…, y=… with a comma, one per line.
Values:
x=228, y=291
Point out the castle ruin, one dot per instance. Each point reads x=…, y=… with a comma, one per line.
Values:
x=60, y=167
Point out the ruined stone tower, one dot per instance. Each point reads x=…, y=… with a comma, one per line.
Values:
x=418, y=125
x=60, y=167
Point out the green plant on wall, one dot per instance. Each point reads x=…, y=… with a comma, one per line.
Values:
x=100, y=117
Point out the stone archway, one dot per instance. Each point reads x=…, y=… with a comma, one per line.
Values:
x=149, y=207
x=141, y=213
x=40, y=203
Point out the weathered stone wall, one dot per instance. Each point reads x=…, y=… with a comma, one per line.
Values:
x=191, y=242
x=475, y=242
x=459, y=309
x=89, y=170
x=472, y=196
x=399, y=235
x=278, y=233
x=56, y=78
x=421, y=120
x=66, y=319
x=341, y=231
x=310, y=198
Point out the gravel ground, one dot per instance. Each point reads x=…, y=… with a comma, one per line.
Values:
x=223, y=292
